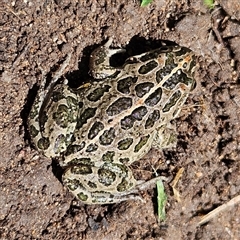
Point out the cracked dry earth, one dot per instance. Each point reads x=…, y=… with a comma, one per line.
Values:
x=35, y=37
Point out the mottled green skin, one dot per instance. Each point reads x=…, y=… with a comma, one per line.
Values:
x=98, y=130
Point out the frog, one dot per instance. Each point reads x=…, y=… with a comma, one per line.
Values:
x=98, y=130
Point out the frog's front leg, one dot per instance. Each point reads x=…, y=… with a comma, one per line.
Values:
x=165, y=136
x=99, y=62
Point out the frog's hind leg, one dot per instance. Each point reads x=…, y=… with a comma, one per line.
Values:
x=36, y=115
x=109, y=183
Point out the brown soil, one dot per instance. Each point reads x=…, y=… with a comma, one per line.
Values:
x=35, y=38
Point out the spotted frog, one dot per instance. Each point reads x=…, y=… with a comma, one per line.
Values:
x=98, y=130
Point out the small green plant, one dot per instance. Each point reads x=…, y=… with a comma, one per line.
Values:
x=145, y=2
x=209, y=3
x=162, y=200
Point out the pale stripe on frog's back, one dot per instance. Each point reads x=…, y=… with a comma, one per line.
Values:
x=137, y=96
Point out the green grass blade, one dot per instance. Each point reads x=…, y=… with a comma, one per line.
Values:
x=162, y=200
x=145, y=2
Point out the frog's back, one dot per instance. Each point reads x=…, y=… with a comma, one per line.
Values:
x=119, y=115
